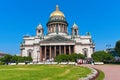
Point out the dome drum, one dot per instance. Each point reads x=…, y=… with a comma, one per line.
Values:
x=57, y=21
x=57, y=18
x=57, y=27
x=54, y=23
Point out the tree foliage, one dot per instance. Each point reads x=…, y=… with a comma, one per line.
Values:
x=117, y=47
x=14, y=58
x=61, y=58
x=75, y=56
x=102, y=56
x=72, y=57
x=9, y=58
x=28, y=59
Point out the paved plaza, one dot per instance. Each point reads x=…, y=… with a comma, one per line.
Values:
x=112, y=72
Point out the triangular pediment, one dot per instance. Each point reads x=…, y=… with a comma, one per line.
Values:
x=57, y=39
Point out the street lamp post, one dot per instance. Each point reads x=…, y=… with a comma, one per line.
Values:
x=108, y=47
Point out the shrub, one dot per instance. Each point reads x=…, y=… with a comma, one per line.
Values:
x=117, y=47
x=72, y=57
x=28, y=59
x=102, y=56
x=20, y=59
x=61, y=58
x=2, y=63
x=8, y=58
x=14, y=58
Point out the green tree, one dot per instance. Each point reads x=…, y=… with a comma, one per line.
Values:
x=75, y=56
x=14, y=58
x=2, y=59
x=117, y=47
x=7, y=58
x=72, y=57
x=80, y=56
x=28, y=59
x=61, y=58
x=20, y=59
x=102, y=56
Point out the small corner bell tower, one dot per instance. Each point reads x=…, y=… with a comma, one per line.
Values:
x=39, y=30
x=74, y=30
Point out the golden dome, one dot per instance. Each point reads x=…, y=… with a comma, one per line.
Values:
x=57, y=12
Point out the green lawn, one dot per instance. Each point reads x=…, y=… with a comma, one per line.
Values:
x=101, y=75
x=43, y=72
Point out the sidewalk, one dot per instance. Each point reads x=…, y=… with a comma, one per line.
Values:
x=112, y=72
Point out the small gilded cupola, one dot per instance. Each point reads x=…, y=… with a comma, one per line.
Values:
x=39, y=30
x=74, y=29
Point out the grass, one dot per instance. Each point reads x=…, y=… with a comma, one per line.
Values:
x=101, y=75
x=43, y=72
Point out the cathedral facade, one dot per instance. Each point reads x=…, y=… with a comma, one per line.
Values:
x=57, y=41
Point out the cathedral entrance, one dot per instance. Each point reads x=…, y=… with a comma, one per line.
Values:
x=57, y=50
x=67, y=50
x=49, y=52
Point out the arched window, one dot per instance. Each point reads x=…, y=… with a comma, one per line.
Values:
x=39, y=31
x=85, y=52
x=75, y=32
x=29, y=52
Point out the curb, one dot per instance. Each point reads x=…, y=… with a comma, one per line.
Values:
x=92, y=76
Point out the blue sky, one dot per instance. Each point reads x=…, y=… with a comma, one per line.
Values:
x=20, y=17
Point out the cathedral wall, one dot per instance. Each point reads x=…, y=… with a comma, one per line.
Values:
x=79, y=49
x=37, y=40
x=29, y=42
x=24, y=51
x=85, y=41
x=89, y=50
x=85, y=37
x=36, y=53
x=77, y=39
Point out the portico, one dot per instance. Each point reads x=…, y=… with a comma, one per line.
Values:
x=55, y=46
x=50, y=51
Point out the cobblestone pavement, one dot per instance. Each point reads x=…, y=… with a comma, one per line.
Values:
x=112, y=72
